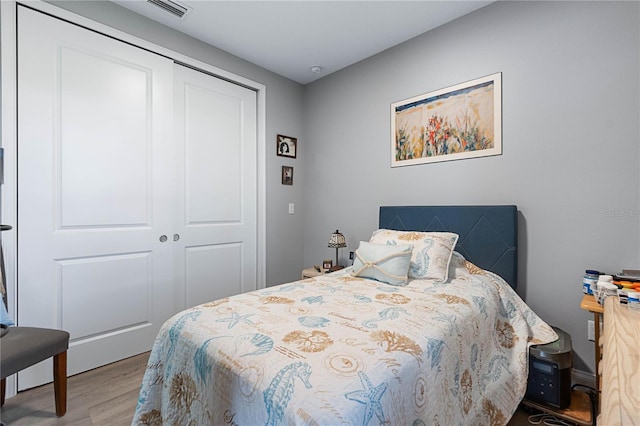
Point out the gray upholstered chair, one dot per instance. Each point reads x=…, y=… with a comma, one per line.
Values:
x=22, y=347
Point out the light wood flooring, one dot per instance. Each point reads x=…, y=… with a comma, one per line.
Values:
x=104, y=396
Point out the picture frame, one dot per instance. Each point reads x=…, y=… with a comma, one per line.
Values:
x=287, y=175
x=286, y=146
x=327, y=264
x=456, y=122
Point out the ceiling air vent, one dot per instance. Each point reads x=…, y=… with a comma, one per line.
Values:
x=172, y=7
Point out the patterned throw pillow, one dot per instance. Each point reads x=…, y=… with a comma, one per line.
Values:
x=431, y=251
x=382, y=262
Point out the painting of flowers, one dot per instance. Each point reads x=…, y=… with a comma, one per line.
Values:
x=461, y=121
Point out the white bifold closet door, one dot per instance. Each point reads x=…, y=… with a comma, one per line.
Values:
x=136, y=190
x=215, y=188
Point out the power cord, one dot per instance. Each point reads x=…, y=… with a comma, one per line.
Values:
x=547, y=419
x=551, y=420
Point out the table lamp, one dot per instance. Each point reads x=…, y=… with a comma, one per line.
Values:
x=337, y=241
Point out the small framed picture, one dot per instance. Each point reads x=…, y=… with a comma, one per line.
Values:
x=287, y=175
x=286, y=146
x=327, y=264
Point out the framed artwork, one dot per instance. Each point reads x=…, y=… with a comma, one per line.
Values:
x=286, y=146
x=327, y=264
x=461, y=121
x=287, y=175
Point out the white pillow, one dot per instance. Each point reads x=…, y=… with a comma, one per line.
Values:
x=431, y=251
x=382, y=262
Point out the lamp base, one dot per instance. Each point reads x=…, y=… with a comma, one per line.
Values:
x=335, y=268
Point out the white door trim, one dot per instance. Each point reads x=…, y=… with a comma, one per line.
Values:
x=8, y=31
x=9, y=142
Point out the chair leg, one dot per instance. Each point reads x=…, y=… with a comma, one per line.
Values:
x=60, y=382
x=3, y=389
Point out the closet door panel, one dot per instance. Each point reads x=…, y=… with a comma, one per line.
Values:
x=105, y=278
x=103, y=145
x=212, y=264
x=94, y=191
x=213, y=156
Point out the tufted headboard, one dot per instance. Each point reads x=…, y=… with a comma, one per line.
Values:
x=488, y=234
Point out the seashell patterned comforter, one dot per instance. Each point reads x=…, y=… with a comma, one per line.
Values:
x=339, y=350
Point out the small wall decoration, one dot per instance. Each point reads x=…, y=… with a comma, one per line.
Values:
x=287, y=175
x=286, y=146
x=461, y=121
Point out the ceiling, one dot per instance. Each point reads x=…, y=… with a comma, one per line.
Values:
x=289, y=37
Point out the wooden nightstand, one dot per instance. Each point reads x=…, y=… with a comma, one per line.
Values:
x=312, y=272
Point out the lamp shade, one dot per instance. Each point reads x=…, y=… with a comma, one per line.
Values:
x=337, y=240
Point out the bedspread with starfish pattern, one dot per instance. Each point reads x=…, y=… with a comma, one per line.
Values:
x=339, y=350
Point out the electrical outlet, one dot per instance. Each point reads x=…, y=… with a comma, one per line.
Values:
x=351, y=255
x=591, y=331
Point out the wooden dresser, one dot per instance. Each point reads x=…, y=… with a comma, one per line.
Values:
x=620, y=368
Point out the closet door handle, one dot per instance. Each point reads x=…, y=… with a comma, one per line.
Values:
x=163, y=238
x=176, y=237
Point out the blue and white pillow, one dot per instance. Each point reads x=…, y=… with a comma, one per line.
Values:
x=383, y=262
x=431, y=251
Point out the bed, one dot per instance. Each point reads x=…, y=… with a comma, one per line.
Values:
x=443, y=343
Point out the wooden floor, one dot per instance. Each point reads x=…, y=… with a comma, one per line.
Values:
x=104, y=396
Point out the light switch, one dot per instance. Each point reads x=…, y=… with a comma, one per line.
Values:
x=292, y=208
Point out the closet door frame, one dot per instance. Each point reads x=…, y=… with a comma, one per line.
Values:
x=8, y=63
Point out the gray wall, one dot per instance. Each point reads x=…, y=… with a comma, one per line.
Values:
x=571, y=107
x=285, y=98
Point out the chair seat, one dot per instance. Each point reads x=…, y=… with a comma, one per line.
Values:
x=22, y=347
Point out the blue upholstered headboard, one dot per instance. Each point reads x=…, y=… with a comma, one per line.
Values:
x=488, y=234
